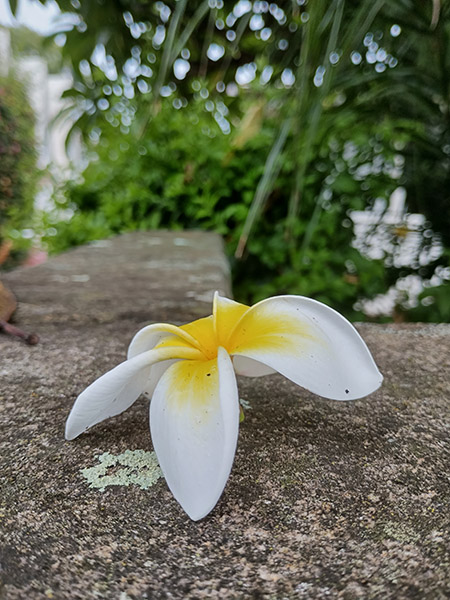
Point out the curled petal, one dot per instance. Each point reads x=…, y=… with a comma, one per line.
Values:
x=310, y=344
x=156, y=372
x=118, y=389
x=159, y=334
x=164, y=335
x=194, y=421
x=226, y=314
x=199, y=334
x=250, y=368
x=202, y=331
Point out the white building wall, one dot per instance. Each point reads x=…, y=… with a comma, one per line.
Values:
x=44, y=91
x=5, y=51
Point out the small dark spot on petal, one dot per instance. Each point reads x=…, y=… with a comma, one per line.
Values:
x=208, y=374
x=347, y=391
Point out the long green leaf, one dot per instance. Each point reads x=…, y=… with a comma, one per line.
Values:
x=165, y=60
x=194, y=21
x=361, y=23
x=271, y=169
x=13, y=6
x=168, y=45
x=206, y=43
x=317, y=110
x=240, y=30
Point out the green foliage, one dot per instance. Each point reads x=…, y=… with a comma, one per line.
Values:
x=189, y=178
x=434, y=305
x=18, y=173
x=282, y=188
x=197, y=177
x=423, y=95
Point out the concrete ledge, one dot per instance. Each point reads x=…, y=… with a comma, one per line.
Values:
x=137, y=276
x=325, y=500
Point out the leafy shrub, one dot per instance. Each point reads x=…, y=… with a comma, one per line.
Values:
x=184, y=173
x=18, y=174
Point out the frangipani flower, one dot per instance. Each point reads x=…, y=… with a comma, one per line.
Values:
x=189, y=372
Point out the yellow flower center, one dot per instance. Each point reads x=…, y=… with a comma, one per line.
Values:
x=209, y=333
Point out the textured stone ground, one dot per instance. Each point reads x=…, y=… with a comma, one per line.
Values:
x=325, y=500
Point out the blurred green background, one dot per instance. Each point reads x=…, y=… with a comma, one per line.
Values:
x=313, y=135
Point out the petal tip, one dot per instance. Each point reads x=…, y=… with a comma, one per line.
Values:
x=363, y=391
x=197, y=511
x=197, y=515
x=69, y=436
x=70, y=432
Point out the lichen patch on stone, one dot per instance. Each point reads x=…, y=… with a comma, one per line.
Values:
x=132, y=467
x=400, y=532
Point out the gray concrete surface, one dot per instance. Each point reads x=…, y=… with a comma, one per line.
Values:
x=325, y=500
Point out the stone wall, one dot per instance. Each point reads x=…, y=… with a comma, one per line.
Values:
x=325, y=499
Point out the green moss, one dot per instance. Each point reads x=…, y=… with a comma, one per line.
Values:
x=133, y=467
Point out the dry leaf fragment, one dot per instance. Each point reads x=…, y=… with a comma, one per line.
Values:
x=8, y=305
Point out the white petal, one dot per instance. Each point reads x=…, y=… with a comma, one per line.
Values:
x=156, y=372
x=194, y=421
x=163, y=334
x=226, y=314
x=309, y=343
x=250, y=368
x=144, y=340
x=118, y=389
x=148, y=337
